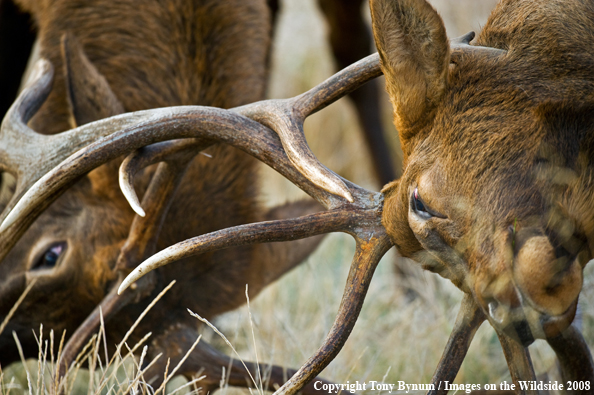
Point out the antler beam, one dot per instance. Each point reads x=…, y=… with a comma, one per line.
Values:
x=470, y=318
x=271, y=131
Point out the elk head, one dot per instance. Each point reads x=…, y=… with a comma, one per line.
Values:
x=92, y=224
x=77, y=240
x=72, y=249
x=498, y=158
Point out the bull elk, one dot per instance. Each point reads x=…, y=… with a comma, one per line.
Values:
x=150, y=55
x=496, y=193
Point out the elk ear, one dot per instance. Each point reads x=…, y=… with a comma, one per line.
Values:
x=415, y=55
x=89, y=96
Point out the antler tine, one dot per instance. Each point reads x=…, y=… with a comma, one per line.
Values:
x=461, y=45
x=29, y=101
x=259, y=232
x=14, y=131
x=574, y=356
x=286, y=117
x=160, y=124
x=367, y=256
x=339, y=85
x=518, y=361
x=144, y=233
x=150, y=155
x=470, y=318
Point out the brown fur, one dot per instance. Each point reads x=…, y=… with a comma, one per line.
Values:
x=127, y=56
x=424, y=63
x=503, y=152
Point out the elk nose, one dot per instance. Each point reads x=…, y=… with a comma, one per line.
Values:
x=549, y=276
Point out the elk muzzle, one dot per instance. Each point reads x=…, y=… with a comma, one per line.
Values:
x=534, y=293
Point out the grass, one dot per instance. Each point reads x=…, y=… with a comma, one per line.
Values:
x=395, y=338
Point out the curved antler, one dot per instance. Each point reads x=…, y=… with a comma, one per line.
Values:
x=286, y=117
x=339, y=220
x=469, y=319
x=19, y=143
x=367, y=256
x=155, y=153
x=34, y=194
x=246, y=128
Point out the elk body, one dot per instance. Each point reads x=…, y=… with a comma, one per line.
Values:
x=150, y=54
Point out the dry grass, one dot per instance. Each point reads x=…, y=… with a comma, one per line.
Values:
x=394, y=339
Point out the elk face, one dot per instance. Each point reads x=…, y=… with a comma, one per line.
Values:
x=72, y=247
x=497, y=168
x=69, y=252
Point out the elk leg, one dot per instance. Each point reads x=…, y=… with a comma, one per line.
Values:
x=351, y=40
x=518, y=362
x=575, y=359
x=470, y=317
x=207, y=361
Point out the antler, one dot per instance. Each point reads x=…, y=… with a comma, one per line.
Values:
x=461, y=45
x=142, y=239
x=361, y=218
x=249, y=129
x=470, y=318
x=34, y=193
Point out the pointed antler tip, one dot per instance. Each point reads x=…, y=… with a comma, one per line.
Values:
x=128, y=190
x=126, y=283
x=335, y=186
x=122, y=288
x=42, y=67
x=138, y=210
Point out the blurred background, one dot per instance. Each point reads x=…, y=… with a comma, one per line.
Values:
x=397, y=337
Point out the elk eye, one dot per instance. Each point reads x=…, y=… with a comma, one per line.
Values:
x=51, y=256
x=419, y=206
